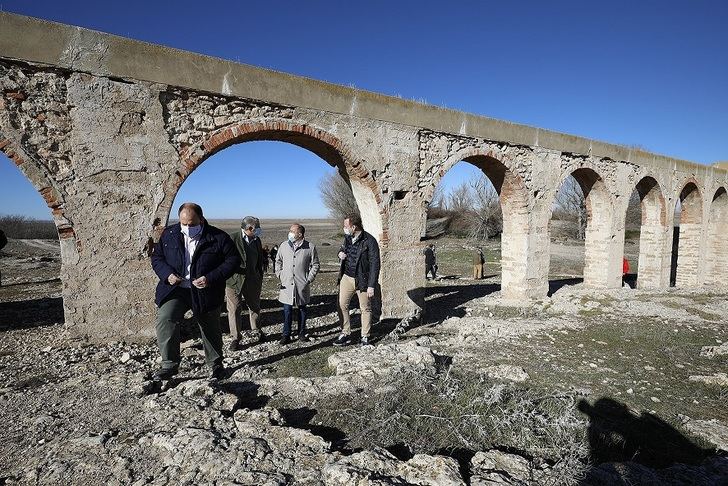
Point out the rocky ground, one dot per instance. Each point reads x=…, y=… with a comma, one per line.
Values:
x=618, y=387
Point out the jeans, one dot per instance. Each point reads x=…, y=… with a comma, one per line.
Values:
x=288, y=319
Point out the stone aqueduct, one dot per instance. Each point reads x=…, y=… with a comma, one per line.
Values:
x=107, y=129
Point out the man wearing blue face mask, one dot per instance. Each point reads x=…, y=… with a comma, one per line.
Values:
x=192, y=260
x=247, y=281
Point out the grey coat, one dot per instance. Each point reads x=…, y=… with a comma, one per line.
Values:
x=296, y=271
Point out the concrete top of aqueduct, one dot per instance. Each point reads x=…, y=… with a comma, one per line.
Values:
x=77, y=49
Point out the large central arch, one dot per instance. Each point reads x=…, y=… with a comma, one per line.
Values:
x=325, y=145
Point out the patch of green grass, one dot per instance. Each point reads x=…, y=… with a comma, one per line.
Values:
x=306, y=365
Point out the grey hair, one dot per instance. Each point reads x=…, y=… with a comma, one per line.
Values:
x=250, y=221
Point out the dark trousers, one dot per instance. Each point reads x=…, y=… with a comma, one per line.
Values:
x=288, y=319
x=169, y=318
x=430, y=269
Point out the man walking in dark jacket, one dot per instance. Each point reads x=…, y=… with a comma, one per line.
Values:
x=192, y=260
x=358, y=275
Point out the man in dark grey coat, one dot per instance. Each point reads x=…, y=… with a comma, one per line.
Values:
x=297, y=264
x=247, y=281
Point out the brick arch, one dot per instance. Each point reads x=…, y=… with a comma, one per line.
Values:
x=687, y=237
x=654, y=229
x=325, y=145
x=716, y=256
x=42, y=182
x=514, y=205
x=600, y=215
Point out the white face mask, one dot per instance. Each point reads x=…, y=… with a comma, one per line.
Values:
x=291, y=237
x=347, y=231
x=191, y=230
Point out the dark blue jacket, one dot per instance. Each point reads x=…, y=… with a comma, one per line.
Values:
x=364, y=258
x=215, y=258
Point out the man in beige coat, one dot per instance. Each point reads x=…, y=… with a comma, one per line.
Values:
x=297, y=264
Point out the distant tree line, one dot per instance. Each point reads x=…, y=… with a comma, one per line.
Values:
x=22, y=227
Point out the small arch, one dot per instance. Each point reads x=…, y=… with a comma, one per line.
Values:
x=513, y=197
x=325, y=145
x=687, y=235
x=598, y=232
x=652, y=232
x=716, y=254
x=52, y=197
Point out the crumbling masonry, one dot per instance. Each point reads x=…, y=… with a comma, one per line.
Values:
x=107, y=129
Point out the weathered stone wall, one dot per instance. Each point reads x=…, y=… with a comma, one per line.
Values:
x=108, y=145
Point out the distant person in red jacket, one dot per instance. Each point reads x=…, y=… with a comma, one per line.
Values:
x=625, y=271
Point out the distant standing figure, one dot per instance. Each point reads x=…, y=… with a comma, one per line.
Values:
x=3, y=242
x=478, y=261
x=297, y=264
x=273, y=252
x=266, y=253
x=430, y=261
x=625, y=271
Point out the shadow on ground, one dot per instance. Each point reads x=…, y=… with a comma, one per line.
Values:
x=617, y=434
x=26, y=314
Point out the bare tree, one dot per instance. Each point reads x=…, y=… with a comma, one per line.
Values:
x=460, y=200
x=337, y=196
x=438, y=198
x=571, y=205
x=486, y=215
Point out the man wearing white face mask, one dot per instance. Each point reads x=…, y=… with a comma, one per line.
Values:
x=297, y=264
x=192, y=260
x=359, y=274
x=247, y=281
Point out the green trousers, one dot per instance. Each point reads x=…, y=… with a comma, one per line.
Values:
x=169, y=318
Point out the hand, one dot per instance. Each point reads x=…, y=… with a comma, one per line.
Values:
x=342, y=255
x=200, y=283
x=370, y=292
x=173, y=279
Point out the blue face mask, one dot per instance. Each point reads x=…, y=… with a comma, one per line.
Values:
x=191, y=231
x=258, y=232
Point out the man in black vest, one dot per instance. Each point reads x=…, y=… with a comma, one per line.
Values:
x=192, y=260
x=359, y=274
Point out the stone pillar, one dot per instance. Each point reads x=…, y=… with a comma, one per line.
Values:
x=604, y=240
x=403, y=273
x=715, y=271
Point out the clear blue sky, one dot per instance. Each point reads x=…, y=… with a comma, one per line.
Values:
x=651, y=73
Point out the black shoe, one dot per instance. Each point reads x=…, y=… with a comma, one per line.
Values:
x=163, y=374
x=234, y=345
x=342, y=340
x=365, y=341
x=284, y=340
x=218, y=372
x=303, y=338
